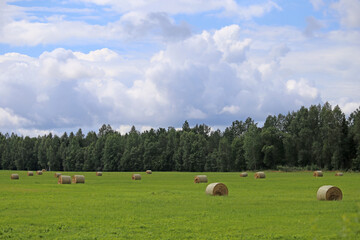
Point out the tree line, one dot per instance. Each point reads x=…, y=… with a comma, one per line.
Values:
x=318, y=137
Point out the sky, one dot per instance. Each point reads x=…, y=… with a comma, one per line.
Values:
x=73, y=64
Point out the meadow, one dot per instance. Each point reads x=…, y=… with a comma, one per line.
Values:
x=169, y=205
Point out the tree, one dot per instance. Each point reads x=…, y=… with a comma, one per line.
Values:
x=253, y=147
x=272, y=139
x=112, y=152
x=132, y=158
x=224, y=156
x=238, y=154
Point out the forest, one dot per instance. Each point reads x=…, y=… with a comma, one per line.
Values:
x=317, y=137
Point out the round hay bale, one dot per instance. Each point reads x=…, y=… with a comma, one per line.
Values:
x=39, y=172
x=136, y=177
x=200, y=179
x=99, y=174
x=30, y=173
x=339, y=174
x=243, y=174
x=148, y=172
x=64, y=179
x=318, y=174
x=217, y=189
x=57, y=175
x=14, y=176
x=44, y=170
x=329, y=193
x=259, y=175
x=78, y=179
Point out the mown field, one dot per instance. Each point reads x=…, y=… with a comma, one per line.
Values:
x=168, y=205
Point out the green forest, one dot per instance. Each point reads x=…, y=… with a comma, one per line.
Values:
x=318, y=137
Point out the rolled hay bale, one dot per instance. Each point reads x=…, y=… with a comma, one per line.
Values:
x=57, y=175
x=30, y=173
x=99, y=174
x=62, y=179
x=339, y=174
x=200, y=179
x=259, y=175
x=39, y=172
x=217, y=189
x=136, y=177
x=318, y=174
x=43, y=170
x=78, y=179
x=243, y=174
x=329, y=193
x=148, y=172
x=14, y=176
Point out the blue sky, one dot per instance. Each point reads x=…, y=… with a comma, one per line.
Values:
x=75, y=64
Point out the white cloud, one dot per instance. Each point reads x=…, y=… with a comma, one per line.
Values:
x=228, y=7
x=350, y=107
x=347, y=105
x=302, y=88
x=317, y=4
x=8, y=119
x=37, y=132
x=123, y=129
x=312, y=26
x=227, y=41
x=215, y=77
x=194, y=113
x=230, y=109
x=252, y=11
x=348, y=11
x=138, y=21
x=133, y=25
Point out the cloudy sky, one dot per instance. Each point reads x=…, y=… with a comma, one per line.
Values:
x=75, y=64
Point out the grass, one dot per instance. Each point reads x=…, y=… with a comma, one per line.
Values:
x=168, y=205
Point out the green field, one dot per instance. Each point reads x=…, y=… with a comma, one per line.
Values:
x=168, y=205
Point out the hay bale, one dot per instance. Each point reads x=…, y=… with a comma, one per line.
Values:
x=14, y=176
x=44, y=170
x=318, y=174
x=329, y=193
x=39, y=172
x=136, y=177
x=148, y=172
x=64, y=179
x=30, y=173
x=99, y=174
x=339, y=174
x=200, y=179
x=78, y=179
x=57, y=175
x=243, y=174
x=259, y=175
x=217, y=189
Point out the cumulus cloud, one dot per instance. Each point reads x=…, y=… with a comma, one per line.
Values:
x=347, y=105
x=138, y=20
x=312, y=25
x=18, y=29
x=138, y=25
x=229, y=7
x=348, y=11
x=317, y=4
x=9, y=119
x=302, y=88
x=230, y=109
x=250, y=12
x=214, y=77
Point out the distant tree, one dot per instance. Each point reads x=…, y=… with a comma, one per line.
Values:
x=253, y=147
x=112, y=152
